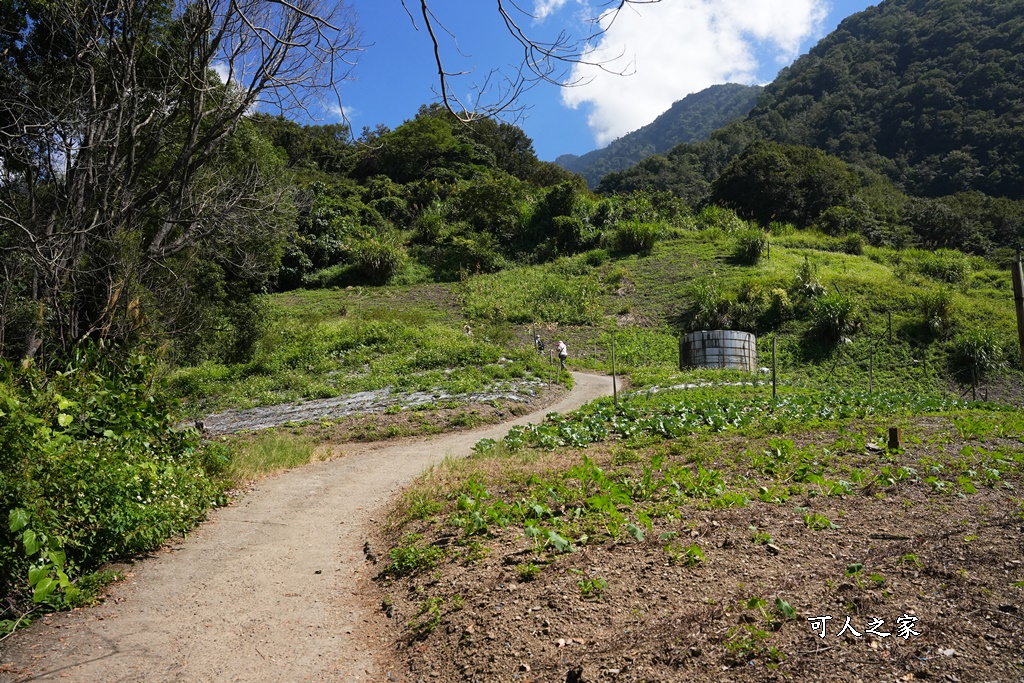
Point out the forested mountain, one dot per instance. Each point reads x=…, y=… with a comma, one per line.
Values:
x=909, y=119
x=928, y=92
x=691, y=119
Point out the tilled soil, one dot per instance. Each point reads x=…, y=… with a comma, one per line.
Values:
x=273, y=588
x=914, y=583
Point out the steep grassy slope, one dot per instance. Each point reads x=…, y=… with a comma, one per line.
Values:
x=891, y=318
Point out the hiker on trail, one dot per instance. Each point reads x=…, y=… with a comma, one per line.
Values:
x=539, y=343
x=563, y=353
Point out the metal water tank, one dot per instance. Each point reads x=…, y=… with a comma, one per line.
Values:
x=718, y=349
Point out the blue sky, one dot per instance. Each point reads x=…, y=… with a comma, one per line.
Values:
x=670, y=49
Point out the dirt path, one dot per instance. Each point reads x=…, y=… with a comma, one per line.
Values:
x=275, y=588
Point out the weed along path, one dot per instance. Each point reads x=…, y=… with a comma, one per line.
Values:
x=274, y=588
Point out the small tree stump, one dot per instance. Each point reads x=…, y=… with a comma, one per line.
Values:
x=895, y=438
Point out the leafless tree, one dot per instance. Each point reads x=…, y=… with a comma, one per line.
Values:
x=115, y=126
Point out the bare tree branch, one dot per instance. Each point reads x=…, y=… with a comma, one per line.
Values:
x=542, y=61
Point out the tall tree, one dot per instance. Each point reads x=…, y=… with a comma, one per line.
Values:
x=115, y=119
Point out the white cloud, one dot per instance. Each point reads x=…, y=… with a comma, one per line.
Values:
x=677, y=47
x=223, y=70
x=542, y=9
x=339, y=112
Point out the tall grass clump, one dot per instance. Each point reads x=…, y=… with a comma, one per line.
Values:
x=976, y=353
x=944, y=265
x=938, y=310
x=710, y=307
x=833, y=316
x=713, y=217
x=750, y=246
x=635, y=236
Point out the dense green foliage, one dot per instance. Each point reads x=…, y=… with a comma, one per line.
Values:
x=691, y=119
x=433, y=199
x=92, y=470
x=769, y=182
x=928, y=92
x=859, y=218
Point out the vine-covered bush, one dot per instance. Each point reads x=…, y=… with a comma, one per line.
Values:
x=91, y=470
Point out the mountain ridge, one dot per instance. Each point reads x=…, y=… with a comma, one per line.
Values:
x=691, y=119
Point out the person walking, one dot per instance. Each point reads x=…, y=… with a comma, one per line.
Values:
x=539, y=343
x=563, y=353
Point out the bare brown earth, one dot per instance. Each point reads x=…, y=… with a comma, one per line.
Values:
x=273, y=588
x=932, y=581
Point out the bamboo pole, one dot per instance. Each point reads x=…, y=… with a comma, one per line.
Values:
x=775, y=383
x=1018, y=300
x=615, y=388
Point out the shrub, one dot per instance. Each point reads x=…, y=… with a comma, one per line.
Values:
x=833, y=316
x=635, y=236
x=569, y=233
x=751, y=245
x=853, y=244
x=596, y=257
x=837, y=220
x=459, y=256
x=378, y=258
x=759, y=307
x=92, y=470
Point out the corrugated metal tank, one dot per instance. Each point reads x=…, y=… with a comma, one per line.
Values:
x=718, y=349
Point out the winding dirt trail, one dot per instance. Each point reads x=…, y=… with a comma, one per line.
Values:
x=275, y=588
